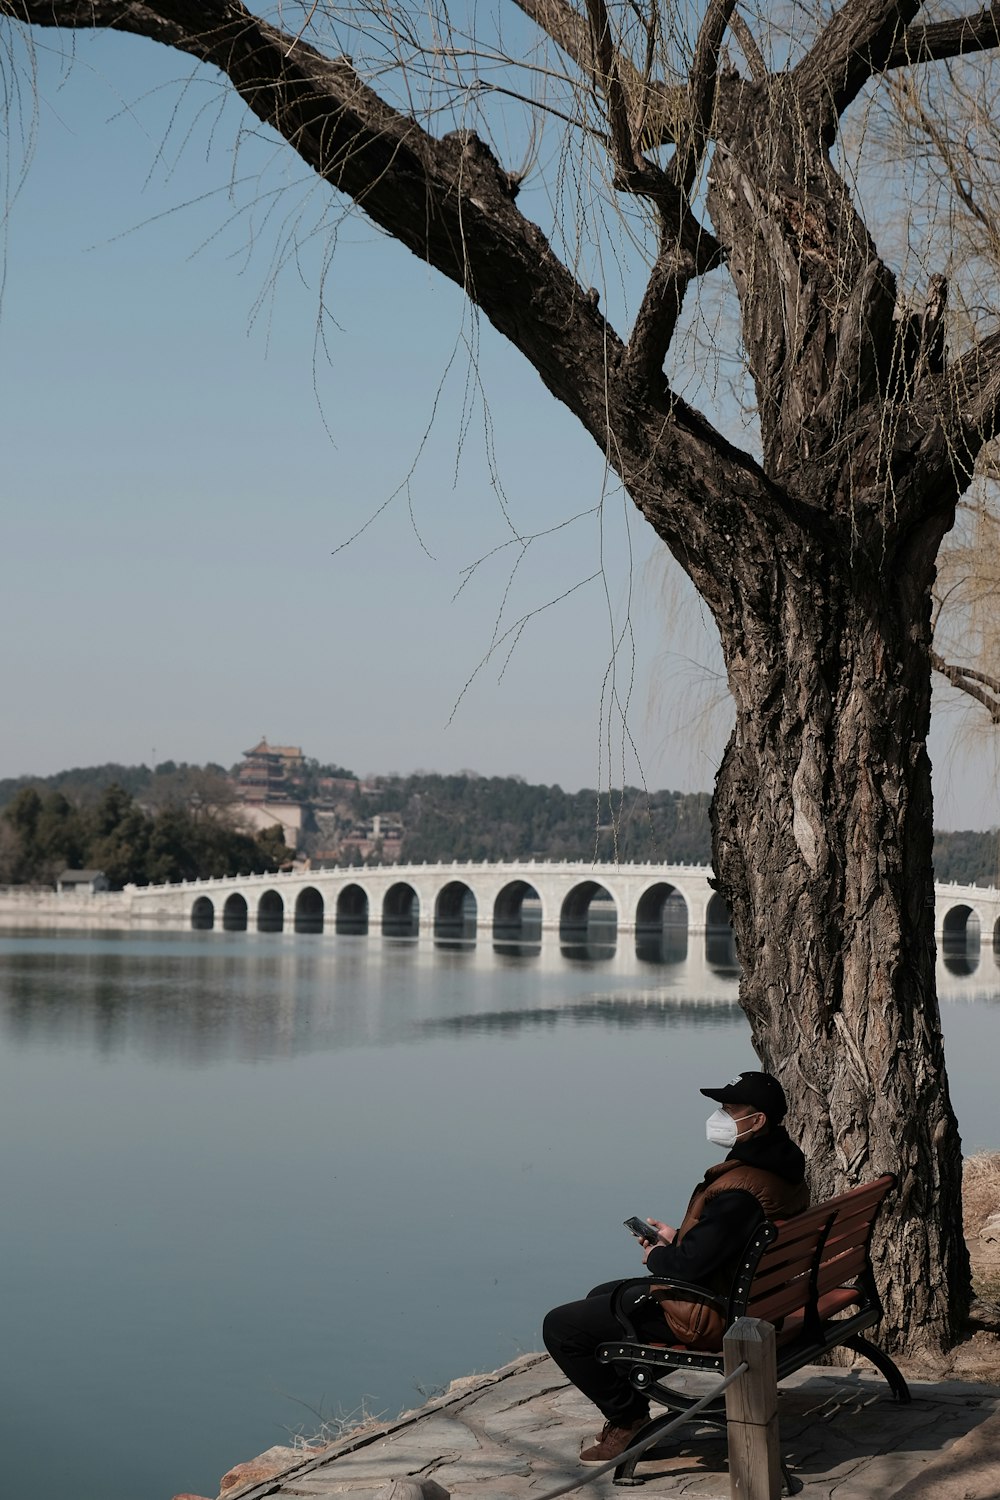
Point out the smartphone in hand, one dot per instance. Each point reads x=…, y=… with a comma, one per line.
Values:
x=641, y=1229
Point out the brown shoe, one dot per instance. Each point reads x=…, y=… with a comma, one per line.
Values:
x=612, y=1442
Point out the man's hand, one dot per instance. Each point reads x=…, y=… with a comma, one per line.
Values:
x=665, y=1235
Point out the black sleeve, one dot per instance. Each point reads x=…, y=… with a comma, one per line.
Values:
x=725, y=1226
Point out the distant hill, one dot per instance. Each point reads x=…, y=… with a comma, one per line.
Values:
x=87, y=783
x=44, y=831
x=505, y=817
x=82, y=782
x=452, y=817
x=970, y=858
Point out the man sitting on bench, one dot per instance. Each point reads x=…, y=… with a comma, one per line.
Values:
x=763, y=1177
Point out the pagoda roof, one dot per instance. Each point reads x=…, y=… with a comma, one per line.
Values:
x=287, y=752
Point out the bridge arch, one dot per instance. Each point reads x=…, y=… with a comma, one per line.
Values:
x=717, y=914
x=309, y=910
x=401, y=911
x=455, y=913
x=270, y=912
x=996, y=936
x=517, y=918
x=352, y=910
x=720, y=944
x=234, y=913
x=961, y=923
x=662, y=919
x=203, y=914
x=589, y=917
x=960, y=939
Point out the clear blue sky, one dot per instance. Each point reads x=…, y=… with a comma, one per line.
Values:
x=181, y=463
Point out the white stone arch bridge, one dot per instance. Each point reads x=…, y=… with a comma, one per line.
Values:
x=460, y=899
x=966, y=914
x=514, y=900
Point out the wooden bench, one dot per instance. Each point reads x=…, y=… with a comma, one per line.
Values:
x=811, y=1276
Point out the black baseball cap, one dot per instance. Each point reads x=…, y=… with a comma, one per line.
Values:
x=758, y=1089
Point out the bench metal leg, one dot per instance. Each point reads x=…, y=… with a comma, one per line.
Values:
x=625, y=1472
x=789, y=1484
x=883, y=1363
x=624, y=1475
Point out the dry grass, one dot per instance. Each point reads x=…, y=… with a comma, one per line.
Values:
x=980, y=1199
x=312, y=1438
x=980, y=1189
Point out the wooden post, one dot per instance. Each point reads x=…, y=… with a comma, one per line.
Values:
x=752, y=1411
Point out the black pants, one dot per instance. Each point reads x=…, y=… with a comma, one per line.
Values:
x=572, y=1333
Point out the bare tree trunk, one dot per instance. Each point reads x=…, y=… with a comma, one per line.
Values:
x=831, y=676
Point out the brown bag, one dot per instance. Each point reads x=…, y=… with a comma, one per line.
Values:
x=694, y=1324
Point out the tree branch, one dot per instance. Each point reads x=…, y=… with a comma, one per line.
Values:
x=449, y=201
x=748, y=46
x=658, y=314
x=575, y=35
x=570, y=31
x=118, y=15
x=978, y=685
x=677, y=263
x=658, y=110
x=924, y=44
x=606, y=76
x=856, y=43
x=865, y=38
x=686, y=248
x=701, y=92
x=973, y=392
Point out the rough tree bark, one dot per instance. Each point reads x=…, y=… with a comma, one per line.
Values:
x=816, y=563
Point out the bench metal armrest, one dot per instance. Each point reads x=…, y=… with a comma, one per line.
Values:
x=688, y=1291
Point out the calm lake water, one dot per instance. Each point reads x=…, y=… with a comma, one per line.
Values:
x=254, y=1183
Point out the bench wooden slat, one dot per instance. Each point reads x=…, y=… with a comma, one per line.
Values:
x=794, y=1248
x=779, y=1305
x=775, y=1275
x=844, y=1268
x=789, y=1258
x=846, y=1232
x=849, y=1213
x=855, y=1197
x=804, y=1224
x=768, y=1286
x=793, y=1233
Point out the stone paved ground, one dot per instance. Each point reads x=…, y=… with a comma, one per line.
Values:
x=515, y=1434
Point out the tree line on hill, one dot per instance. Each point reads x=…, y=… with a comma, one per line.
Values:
x=178, y=822
x=43, y=833
x=504, y=817
x=169, y=780
x=145, y=782
x=969, y=857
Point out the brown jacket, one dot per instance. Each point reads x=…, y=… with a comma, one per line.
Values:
x=778, y=1198
x=694, y=1323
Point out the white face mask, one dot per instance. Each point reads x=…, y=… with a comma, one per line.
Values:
x=722, y=1130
